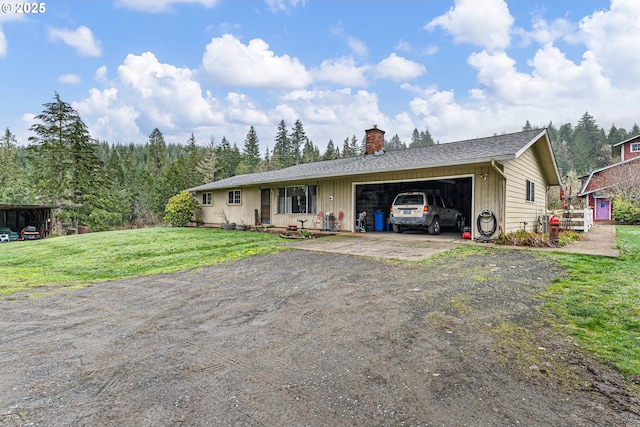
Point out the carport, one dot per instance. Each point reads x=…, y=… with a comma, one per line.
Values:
x=378, y=196
x=16, y=217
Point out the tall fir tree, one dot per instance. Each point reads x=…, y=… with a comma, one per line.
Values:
x=157, y=152
x=13, y=182
x=310, y=152
x=330, y=153
x=297, y=138
x=251, y=151
x=280, y=154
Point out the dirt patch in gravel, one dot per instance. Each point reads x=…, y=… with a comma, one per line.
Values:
x=299, y=338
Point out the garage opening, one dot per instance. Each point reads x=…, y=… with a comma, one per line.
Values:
x=379, y=196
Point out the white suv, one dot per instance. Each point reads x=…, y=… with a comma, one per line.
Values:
x=418, y=209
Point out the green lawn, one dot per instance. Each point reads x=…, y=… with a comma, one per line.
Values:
x=599, y=300
x=110, y=255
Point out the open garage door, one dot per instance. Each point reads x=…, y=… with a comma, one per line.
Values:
x=377, y=197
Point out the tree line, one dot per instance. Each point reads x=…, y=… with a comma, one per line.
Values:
x=106, y=186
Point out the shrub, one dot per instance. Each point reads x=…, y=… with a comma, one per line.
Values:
x=179, y=209
x=625, y=210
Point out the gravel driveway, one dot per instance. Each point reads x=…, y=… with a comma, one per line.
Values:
x=302, y=338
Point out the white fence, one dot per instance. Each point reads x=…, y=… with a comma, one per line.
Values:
x=572, y=219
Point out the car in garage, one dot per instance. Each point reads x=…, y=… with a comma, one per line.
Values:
x=417, y=209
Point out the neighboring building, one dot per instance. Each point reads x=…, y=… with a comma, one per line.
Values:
x=594, y=186
x=17, y=217
x=507, y=174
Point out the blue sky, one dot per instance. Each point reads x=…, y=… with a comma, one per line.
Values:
x=461, y=69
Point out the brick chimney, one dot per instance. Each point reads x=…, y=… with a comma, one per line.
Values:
x=374, y=141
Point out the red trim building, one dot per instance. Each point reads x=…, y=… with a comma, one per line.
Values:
x=595, y=185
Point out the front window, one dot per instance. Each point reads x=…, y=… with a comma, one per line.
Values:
x=635, y=147
x=531, y=191
x=234, y=197
x=297, y=200
x=206, y=198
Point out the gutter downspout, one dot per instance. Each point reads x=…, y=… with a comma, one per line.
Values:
x=504, y=195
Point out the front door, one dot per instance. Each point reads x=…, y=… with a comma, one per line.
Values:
x=265, y=206
x=603, y=209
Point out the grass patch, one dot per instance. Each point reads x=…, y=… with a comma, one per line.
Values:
x=599, y=299
x=111, y=255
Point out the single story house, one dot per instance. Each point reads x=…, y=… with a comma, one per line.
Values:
x=594, y=185
x=506, y=175
x=16, y=217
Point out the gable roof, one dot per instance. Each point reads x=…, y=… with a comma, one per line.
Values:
x=479, y=150
x=583, y=190
x=627, y=140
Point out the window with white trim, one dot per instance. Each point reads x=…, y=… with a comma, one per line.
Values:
x=531, y=191
x=301, y=199
x=206, y=199
x=635, y=147
x=234, y=197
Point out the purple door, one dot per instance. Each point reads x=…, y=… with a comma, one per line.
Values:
x=603, y=209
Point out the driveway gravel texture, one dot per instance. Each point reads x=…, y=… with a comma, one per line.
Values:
x=299, y=338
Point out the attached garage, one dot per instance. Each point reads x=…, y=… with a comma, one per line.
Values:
x=506, y=175
x=377, y=197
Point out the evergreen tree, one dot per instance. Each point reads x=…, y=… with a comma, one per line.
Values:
x=586, y=146
x=394, y=144
x=280, y=154
x=193, y=172
x=266, y=162
x=49, y=151
x=90, y=198
x=207, y=166
x=251, y=151
x=227, y=159
x=426, y=139
x=296, y=140
x=157, y=153
x=346, y=148
x=355, y=147
x=13, y=182
x=310, y=152
x=330, y=153
x=420, y=139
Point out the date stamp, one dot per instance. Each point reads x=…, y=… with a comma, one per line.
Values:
x=24, y=8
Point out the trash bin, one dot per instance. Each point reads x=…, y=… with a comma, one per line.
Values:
x=378, y=221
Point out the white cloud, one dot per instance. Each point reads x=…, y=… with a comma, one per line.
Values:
x=283, y=5
x=72, y=79
x=113, y=120
x=357, y=46
x=101, y=75
x=81, y=40
x=153, y=6
x=242, y=110
x=614, y=36
x=485, y=23
x=148, y=94
x=397, y=68
x=229, y=62
x=341, y=71
x=335, y=114
x=544, y=32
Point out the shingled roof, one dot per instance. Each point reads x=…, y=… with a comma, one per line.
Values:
x=479, y=150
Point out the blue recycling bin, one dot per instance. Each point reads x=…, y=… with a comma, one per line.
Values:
x=378, y=221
